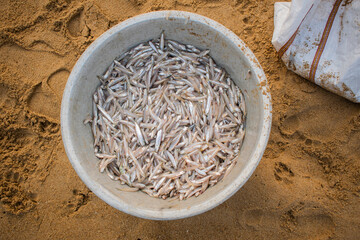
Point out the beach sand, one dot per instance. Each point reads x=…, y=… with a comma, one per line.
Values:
x=307, y=185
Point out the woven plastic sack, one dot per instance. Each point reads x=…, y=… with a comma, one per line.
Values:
x=320, y=41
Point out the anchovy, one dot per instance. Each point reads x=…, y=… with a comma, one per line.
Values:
x=167, y=120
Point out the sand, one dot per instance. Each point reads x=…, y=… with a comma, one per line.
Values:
x=307, y=185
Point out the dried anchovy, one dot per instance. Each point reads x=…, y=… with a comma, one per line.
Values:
x=167, y=120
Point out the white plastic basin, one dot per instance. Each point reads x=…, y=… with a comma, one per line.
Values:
x=226, y=49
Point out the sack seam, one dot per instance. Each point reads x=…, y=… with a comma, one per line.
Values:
x=323, y=40
x=286, y=46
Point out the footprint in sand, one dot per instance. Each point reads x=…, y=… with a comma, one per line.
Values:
x=88, y=20
x=42, y=46
x=260, y=219
x=42, y=101
x=308, y=221
x=310, y=125
x=275, y=148
x=76, y=23
x=96, y=21
x=5, y=100
x=78, y=200
x=57, y=81
x=283, y=173
x=290, y=125
x=45, y=98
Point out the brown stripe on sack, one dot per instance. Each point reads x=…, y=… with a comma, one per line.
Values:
x=284, y=48
x=323, y=40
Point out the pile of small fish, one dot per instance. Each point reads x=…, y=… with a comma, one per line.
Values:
x=167, y=120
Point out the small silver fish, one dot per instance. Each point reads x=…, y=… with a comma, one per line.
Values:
x=167, y=120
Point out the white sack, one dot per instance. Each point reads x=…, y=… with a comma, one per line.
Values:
x=300, y=32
